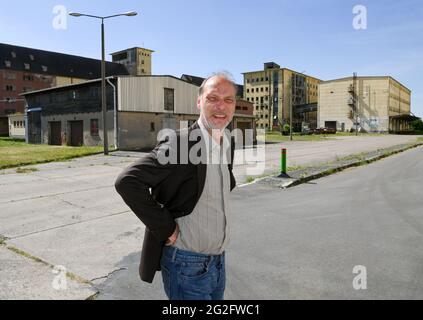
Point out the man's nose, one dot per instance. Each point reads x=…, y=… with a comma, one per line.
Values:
x=220, y=104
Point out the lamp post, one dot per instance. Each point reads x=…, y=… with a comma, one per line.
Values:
x=103, y=69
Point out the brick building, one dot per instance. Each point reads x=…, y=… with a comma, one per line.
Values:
x=26, y=69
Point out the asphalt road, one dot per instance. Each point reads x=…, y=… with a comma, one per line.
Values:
x=304, y=242
x=299, y=243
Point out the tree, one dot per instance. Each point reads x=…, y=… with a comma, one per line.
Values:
x=417, y=125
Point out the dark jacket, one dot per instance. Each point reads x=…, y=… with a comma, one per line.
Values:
x=175, y=190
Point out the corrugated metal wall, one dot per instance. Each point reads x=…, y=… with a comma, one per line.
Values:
x=147, y=94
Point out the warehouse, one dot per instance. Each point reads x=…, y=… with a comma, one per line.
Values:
x=366, y=104
x=138, y=107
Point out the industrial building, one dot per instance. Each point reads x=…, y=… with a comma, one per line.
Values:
x=370, y=104
x=274, y=90
x=138, y=107
x=25, y=69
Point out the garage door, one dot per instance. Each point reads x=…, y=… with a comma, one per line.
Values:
x=55, y=133
x=77, y=133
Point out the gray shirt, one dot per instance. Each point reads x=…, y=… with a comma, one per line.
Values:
x=206, y=229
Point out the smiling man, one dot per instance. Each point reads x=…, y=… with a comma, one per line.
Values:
x=186, y=213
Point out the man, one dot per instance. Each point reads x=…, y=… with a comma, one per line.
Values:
x=186, y=212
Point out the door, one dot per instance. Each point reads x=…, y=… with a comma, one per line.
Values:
x=55, y=133
x=76, y=133
x=330, y=124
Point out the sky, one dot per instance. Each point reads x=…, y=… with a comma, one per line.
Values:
x=326, y=39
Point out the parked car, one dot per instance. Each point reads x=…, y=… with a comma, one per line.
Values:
x=324, y=130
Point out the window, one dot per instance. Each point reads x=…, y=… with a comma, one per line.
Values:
x=10, y=88
x=267, y=89
x=28, y=77
x=262, y=79
x=261, y=89
x=44, y=68
x=9, y=76
x=152, y=128
x=169, y=99
x=248, y=90
x=142, y=61
x=27, y=89
x=26, y=65
x=7, y=63
x=31, y=57
x=94, y=127
x=13, y=54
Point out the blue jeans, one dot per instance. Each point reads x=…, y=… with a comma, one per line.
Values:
x=192, y=276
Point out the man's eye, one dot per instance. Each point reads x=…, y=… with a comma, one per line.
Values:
x=229, y=100
x=212, y=99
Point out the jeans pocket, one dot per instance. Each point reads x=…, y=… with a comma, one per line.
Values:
x=193, y=270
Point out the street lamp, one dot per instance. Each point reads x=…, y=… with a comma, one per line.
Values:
x=103, y=68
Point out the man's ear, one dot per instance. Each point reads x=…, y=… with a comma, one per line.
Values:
x=199, y=103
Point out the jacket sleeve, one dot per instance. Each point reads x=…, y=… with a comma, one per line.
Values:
x=134, y=184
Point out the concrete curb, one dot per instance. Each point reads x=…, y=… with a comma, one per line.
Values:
x=300, y=176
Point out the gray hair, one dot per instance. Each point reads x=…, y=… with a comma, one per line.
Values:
x=221, y=74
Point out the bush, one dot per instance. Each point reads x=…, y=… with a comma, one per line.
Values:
x=417, y=125
x=285, y=128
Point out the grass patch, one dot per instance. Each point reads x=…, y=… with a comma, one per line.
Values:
x=419, y=139
x=27, y=255
x=14, y=153
x=277, y=136
x=250, y=179
x=25, y=170
x=2, y=240
x=69, y=275
x=273, y=136
x=11, y=142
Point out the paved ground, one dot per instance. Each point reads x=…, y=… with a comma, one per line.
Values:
x=300, y=153
x=68, y=214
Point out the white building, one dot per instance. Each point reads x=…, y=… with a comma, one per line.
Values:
x=17, y=126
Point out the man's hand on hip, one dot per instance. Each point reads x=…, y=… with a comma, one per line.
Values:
x=172, y=239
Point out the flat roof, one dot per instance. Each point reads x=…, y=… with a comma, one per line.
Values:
x=263, y=70
x=366, y=77
x=131, y=49
x=99, y=80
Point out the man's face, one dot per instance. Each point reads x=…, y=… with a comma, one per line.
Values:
x=217, y=103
